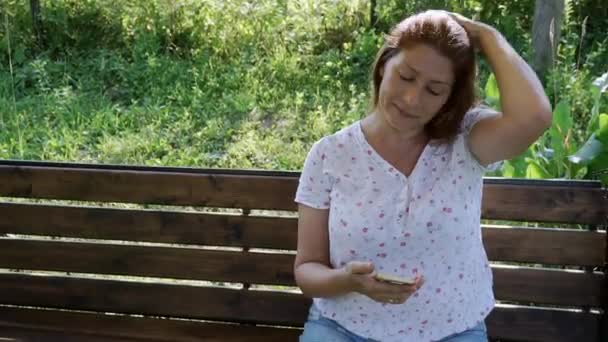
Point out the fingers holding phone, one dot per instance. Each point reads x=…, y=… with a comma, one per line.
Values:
x=408, y=285
x=383, y=288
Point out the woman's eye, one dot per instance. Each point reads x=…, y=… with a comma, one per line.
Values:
x=434, y=93
x=406, y=78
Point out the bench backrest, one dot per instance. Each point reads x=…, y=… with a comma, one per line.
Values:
x=144, y=241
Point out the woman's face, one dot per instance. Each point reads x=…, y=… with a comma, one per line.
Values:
x=416, y=83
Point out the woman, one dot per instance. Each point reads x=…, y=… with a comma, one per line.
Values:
x=399, y=192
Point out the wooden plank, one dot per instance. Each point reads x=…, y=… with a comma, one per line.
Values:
x=552, y=287
x=502, y=199
x=548, y=203
x=154, y=299
x=149, y=226
x=545, y=246
x=542, y=325
x=9, y=334
x=506, y=323
x=171, y=169
x=79, y=326
x=514, y=284
x=165, y=262
x=192, y=189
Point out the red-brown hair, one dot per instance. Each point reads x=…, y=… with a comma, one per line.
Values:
x=438, y=30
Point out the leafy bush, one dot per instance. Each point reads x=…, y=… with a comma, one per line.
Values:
x=242, y=83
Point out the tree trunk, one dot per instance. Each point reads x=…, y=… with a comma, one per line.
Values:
x=546, y=29
x=37, y=22
x=372, y=14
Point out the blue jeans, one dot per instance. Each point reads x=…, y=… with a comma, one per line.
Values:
x=322, y=329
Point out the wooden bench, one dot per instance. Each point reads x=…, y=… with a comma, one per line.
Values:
x=110, y=253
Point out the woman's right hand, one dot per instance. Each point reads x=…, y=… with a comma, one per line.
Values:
x=361, y=274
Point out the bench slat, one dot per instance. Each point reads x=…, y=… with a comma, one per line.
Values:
x=149, y=226
x=124, y=186
x=89, y=326
x=521, y=284
x=185, y=301
x=544, y=203
x=178, y=263
x=543, y=246
x=551, y=287
x=506, y=323
x=542, y=325
x=9, y=334
x=501, y=200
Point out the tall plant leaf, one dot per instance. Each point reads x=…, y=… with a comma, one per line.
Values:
x=602, y=132
x=586, y=154
x=492, y=92
x=560, y=134
x=534, y=170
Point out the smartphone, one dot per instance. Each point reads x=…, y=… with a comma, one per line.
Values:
x=395, y=279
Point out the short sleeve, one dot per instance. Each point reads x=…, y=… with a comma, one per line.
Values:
x=315, y=184
x=472, y=117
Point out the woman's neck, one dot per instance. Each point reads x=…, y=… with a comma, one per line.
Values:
x=378, y=130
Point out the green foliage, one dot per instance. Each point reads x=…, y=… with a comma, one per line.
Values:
x=492, y=94
x=248, y=84
x=556, y=154
x=594, y=153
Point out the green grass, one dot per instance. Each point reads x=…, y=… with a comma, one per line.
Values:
x=234, y=84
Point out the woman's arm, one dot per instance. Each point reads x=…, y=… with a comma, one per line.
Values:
x=526, y=112
x=312, y=269
x=315, y=276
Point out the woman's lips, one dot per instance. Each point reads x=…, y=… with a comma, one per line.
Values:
x=404, y=113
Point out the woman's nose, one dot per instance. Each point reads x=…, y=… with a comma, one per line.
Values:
x=411, y=96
